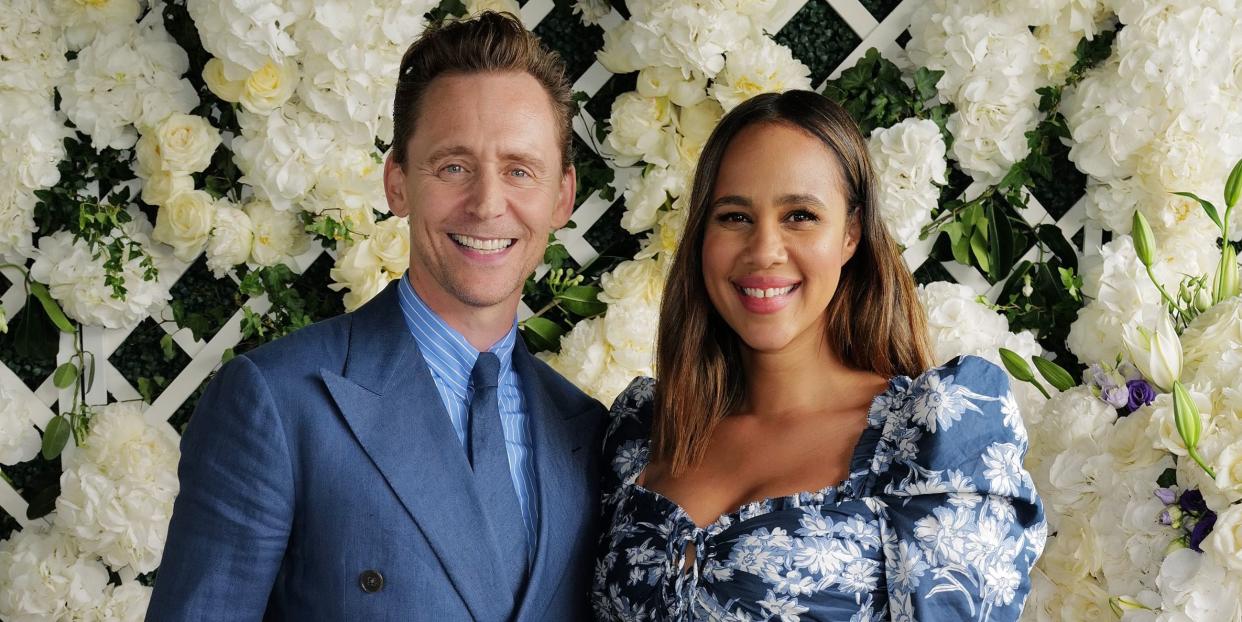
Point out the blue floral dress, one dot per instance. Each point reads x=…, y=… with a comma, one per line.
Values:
x=937, y=520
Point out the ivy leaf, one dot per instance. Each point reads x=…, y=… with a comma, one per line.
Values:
x=542, y=334
x=55, y=437
x=582, y=300
x=166, y=345
x=925, y=81
x=65, y=375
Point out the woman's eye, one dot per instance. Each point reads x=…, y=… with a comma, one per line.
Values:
x=802, y=216
x=732, y=217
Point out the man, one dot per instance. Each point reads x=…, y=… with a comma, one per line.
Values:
x=411, y=460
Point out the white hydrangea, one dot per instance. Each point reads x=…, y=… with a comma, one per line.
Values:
x=909, y=166
x=117, y=490
x=84, y=19
x=281, y=154
x=592, y=11
x=19, y=439
x=32, y=138
x=32, y=47
x=641, y=130
x=758, y=65
x=76, y=280
x=690, y=36
x=248, y=33
x=127, y=78
x=1121, y=294
x=44, y=576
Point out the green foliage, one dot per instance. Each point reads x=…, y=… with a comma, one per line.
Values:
x=874, y=94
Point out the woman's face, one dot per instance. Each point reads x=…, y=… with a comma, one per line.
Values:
x=777, y=235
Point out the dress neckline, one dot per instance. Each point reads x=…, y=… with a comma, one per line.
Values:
x=859, y=466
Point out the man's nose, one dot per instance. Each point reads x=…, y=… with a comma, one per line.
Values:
x=489, y=196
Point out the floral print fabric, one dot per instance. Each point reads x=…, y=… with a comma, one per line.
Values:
x=937, y=520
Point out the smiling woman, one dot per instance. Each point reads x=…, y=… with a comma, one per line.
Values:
x=799, y=460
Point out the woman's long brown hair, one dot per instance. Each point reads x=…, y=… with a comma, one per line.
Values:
x=875, y=322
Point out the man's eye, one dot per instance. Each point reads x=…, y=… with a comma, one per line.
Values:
x=453, y=169
x=517, y=172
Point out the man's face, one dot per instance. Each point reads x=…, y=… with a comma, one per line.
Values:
x=482, y=186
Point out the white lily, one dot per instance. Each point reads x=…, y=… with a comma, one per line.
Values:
x=1157, y=354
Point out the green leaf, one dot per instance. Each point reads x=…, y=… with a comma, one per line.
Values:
x=542, y=334
x=50, y=307
x=1053, y=373
x=147, y=389
x=1168, y=478
x=1000, y=242
x=1016, y=365
x=55, y=437
x=582, y=300
x=960, y=243
x=227, y=355
x=1233, y=187
x=166, y=344
x=65, y=375
x=979, y=246
x=1207, y=207
x=925, y=81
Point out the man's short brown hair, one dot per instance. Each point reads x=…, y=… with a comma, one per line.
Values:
x=490, y=42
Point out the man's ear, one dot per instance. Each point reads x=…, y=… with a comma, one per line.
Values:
x=565, y=199
x=394, y=187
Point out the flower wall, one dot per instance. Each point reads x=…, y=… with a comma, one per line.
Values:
x=188, y=179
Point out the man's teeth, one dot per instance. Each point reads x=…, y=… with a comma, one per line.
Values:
x=770, y=292
x=480, y=244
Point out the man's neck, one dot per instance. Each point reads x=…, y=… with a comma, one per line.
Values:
x=481, y=326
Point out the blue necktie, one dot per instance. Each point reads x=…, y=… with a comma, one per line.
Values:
x=492, y=477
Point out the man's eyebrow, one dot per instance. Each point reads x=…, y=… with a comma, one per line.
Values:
x=522, y=157
x=444, y=152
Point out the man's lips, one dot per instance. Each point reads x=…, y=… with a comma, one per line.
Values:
x=482, y=245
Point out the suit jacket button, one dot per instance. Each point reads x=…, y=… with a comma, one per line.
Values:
x=371, y=581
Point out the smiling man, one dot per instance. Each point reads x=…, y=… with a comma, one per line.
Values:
x=411, y=460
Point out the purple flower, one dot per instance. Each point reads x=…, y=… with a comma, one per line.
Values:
x=1202, y=529
x=1192, y=501
x=1166, y=495
x=1117, y=397
x=1166, y=518
x=1140, y=394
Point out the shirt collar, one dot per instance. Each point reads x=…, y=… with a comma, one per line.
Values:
x=447, y=352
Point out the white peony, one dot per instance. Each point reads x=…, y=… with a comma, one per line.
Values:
x=639, y=127
x=909, y=165
x=641, y=279
x=630, y=329
x=230, y=241
x=279, y=235
x=19, y=439
x=128, y=77
x=584, y=354
x=44, y=576
x=647, y=194
x=758, y=65
x=184, y=223
x=76, y=279
x=990, y=136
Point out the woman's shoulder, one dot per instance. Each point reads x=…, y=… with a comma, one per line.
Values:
x=948, y=418
x=629, y=426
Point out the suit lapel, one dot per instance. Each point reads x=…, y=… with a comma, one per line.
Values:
x=390, y=402
x=561, y=486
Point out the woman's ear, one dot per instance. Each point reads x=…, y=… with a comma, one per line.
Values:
x=853, y=233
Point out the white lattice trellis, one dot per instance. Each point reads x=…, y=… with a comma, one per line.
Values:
x=205, y=356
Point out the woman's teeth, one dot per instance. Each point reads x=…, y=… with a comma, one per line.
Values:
x=770, y=292
x=482, y=245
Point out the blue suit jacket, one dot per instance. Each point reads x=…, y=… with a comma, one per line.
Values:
x=327, y=454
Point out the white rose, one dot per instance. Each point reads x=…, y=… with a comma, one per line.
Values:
x=160, y=187
x=360, y=271
x=1225, y=541
x=220, y=84
x=230, y=241
x=184, y=143
x=19, y=439
x=1228, y=467
x=278, y=234
x=758, y=65
x=269, y=87
x=391, y=245
x=184, y=221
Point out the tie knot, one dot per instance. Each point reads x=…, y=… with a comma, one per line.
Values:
x=486, y=372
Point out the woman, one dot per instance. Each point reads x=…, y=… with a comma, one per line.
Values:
x=800, y=461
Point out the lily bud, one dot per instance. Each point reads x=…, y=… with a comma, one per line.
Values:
x=1233, y=187
x=1158, y=354
x=1186, y=416
x=1143, y=237
x=1225, y=285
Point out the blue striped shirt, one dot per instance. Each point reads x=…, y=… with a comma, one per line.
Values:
x=451, y=358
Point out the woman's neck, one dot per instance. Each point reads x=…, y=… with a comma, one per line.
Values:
x=797, y=380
